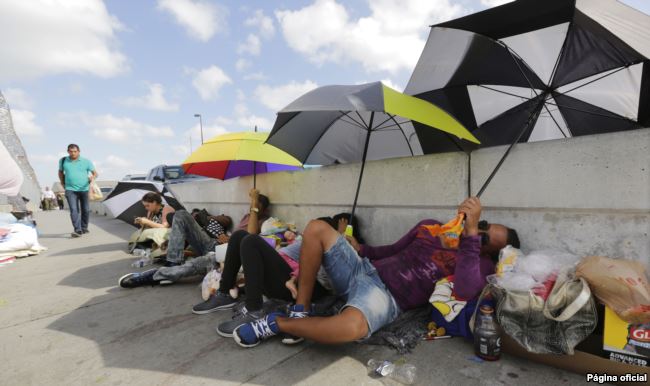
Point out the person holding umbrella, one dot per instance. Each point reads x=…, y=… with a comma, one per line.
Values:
x=375, y=286
x=185, y=228
x=157, y=212
x=267, y=272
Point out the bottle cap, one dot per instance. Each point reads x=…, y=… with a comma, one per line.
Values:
x=487, y=309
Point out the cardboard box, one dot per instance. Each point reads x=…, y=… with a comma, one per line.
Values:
x=624, y=342
x=581, y=362
x=590, y=356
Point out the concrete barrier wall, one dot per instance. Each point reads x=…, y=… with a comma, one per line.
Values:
x=588, y=195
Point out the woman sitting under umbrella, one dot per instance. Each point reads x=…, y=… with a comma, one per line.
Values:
x=157, y=212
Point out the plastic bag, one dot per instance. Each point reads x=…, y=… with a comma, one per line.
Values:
x=546, y=326
x=210, y=284
x=450, y=232
x=272, y=226
x=536, y=271
x=95, y=193
x=621, y=284
x=507, y=260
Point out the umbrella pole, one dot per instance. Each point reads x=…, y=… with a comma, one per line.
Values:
x=255, y=169
x=469, y=174
x=532, y=117
x=363, y=165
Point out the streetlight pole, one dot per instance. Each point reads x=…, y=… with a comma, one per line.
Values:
x=201, y=125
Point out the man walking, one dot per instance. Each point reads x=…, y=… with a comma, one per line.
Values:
x=48, y=198
x=76, y=174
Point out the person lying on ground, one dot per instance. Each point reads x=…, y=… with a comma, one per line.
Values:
x=266, y=272
x=157, y=212
x=216, y=227
x=385, y=282
x=185, y=228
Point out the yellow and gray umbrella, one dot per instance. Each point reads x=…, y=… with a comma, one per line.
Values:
x=343, y=124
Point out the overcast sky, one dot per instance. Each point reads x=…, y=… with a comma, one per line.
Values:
x=123, y=79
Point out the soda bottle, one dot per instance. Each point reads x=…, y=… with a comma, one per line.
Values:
x=487, y=341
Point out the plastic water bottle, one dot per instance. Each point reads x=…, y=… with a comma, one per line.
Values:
x=145, y=258
x=402, y=373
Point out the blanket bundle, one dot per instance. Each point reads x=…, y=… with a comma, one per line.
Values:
x=18, y=240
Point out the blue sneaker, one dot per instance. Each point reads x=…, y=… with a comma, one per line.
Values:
x=295, y=311
x=253, y=333
x=138, y=279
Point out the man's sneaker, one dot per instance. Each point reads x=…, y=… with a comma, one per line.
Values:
x=168, y=263
x=138, y=279
x=216, y=302
x=74, y=235
x=243, y=316
x=253, y=333
x=295, y=311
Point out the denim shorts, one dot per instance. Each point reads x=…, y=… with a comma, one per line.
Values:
x=356, y=279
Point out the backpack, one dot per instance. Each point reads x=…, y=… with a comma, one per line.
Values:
x=61, y=163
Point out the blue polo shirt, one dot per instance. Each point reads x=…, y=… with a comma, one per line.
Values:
x=76, y=173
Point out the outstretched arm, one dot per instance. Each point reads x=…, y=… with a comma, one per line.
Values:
x=392, y=249
x=471, y=269
x=253, y=227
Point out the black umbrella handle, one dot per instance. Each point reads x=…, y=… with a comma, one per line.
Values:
x=363, y=165
x=255, y=169
x=531, y=119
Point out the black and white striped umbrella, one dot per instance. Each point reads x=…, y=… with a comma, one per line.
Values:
x=125, y=201
x=535, y=70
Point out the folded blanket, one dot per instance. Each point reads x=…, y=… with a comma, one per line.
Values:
x=156, y=235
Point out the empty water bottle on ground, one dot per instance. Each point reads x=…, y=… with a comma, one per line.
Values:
x=402, y=373
x=487, y=340
x=145, y=258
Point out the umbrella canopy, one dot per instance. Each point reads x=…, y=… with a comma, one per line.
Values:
x=536, y=70
x=125, y=200
x=331, y=124
x=238, y=154
x=341, y=124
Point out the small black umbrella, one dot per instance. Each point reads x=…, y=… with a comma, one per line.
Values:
x=125, y=200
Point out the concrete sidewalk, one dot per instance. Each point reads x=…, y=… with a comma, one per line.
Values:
x=63, y=321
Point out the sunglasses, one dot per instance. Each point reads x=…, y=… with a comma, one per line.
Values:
x=483, y=226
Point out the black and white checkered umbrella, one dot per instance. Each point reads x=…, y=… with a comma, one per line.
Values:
x=125, y=201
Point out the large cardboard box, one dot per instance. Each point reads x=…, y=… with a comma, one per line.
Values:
x=590, y=357
x=624, y=342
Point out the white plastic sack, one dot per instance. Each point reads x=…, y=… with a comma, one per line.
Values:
x=210, y=284
x=21, y=237
x=533, y=270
